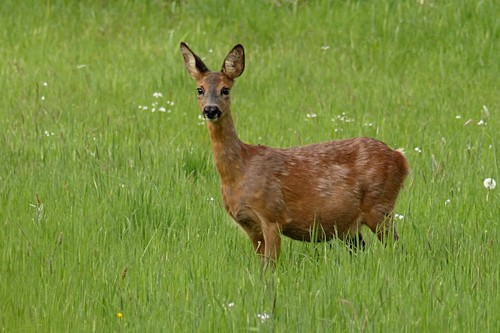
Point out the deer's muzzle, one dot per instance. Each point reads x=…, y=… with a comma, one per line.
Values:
x=211, y=112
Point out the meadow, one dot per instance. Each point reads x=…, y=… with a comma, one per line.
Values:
x=110, y=212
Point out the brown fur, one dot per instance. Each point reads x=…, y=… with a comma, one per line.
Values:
x=308, y=193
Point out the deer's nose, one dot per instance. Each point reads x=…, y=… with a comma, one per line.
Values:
x=211, y=112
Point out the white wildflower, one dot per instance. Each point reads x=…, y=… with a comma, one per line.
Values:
x=418, y=150
x=157, y=95
x=489, y=183
x=263, y=316
x=201, y=120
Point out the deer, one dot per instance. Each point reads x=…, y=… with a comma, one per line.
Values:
x=312, y=193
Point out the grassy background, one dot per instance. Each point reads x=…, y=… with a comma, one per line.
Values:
x=107, y=207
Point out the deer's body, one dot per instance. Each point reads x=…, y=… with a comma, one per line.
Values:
x=313, y=192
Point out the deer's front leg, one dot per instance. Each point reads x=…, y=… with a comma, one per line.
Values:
x=265, y=236
x=254, y=231
x=272, y=242
x=258, y=244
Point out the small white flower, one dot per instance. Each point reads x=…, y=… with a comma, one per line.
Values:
x=211, y=51
x=45, y=84
x=263, y=316
x=447, y=202
x=458, y=116
x=481, y=123
x=201, y=120
x=399, y=216
x=43, y=98
x=325, y=47
x=157, y=95
x=418, y=150
x=230, y=305
x=162, y=109
x=311, y=115
x=490, y=183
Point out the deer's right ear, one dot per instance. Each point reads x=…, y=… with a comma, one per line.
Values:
x=193, y=63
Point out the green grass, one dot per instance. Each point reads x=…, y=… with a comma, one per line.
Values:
x=108, y=208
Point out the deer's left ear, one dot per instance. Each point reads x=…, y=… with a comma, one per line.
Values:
x=234, y=64
x=193, y=63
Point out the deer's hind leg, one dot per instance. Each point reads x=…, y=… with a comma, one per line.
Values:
x=381, y=223
x=353, y=238
x=355, y=242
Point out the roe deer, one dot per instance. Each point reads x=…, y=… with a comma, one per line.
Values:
x=309, y=193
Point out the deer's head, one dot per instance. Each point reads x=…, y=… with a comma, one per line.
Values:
x=214, y=87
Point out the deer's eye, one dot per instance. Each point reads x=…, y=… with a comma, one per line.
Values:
x=200, y=91
x=224, y=91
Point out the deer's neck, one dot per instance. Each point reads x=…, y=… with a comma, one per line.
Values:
x=227, y=149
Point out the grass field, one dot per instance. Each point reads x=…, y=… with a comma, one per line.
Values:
x=111, y=216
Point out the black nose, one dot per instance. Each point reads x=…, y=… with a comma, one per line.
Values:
x=211, y=112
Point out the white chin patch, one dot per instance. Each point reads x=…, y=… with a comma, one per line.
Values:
x=215, y=118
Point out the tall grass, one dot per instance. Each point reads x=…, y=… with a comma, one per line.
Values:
x=107, y=207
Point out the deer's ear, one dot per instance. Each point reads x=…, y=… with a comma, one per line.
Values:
x=193, y=63
x=234, y=64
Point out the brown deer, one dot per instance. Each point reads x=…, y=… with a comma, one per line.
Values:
x=309, y=193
